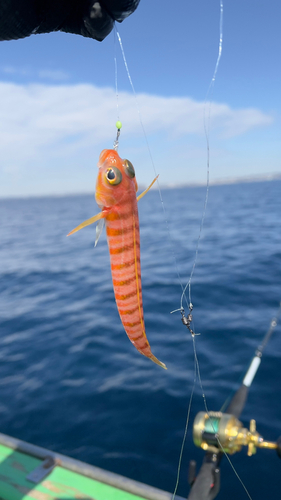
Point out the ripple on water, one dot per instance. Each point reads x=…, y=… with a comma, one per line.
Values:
x=71, y=380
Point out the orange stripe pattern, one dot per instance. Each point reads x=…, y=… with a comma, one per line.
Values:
x=123, y=236
x=116, y=196
x=124, y=248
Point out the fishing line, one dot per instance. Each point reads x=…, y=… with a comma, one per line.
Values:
x=189, y=319
x=207, y=137
x=188, y=285
x=184, y=434
x=169, y=234
x=211, y=422
x=150, y=155
x=118, y=123
x=116, y=77
x=172, y=246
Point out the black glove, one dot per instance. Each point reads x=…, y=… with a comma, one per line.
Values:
x=91, y=18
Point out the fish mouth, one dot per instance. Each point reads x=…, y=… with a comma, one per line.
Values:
x=108, y=156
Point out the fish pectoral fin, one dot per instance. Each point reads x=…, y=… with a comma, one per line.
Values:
x=150, y=185
x=99, y=228
x=87, y=222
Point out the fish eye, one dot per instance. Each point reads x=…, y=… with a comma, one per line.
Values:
x=113, y=176
x=129, y=169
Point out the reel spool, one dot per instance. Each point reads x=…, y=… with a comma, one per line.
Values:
x=217, y=430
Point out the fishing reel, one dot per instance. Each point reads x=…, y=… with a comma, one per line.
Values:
x=216, y=431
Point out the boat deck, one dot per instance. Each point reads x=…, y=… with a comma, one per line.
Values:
x=28, y=472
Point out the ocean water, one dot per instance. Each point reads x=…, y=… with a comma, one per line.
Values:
x=71, y=381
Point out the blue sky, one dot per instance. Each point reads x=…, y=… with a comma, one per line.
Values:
x=58, y=103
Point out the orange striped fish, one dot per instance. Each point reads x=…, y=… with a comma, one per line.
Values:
x=116, y=196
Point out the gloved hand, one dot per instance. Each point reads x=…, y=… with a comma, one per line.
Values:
x=90, y=18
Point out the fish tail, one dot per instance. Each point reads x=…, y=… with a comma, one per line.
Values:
x=153, y=358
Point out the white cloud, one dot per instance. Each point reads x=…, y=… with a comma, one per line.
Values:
x=51, y=74
x=43, y=74
x=47, y=129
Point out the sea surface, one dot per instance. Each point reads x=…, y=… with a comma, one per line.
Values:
x=71, y=381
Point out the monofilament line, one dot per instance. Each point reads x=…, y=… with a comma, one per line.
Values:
x=207, y=136
x=150, y=155
x=196, y=369
x=185, y=432
x=210, y=419
x=188, y=285
x=116, y=77
x=136, y=99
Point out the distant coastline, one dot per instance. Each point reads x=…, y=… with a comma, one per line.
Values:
x=229, y=180
x=213, y=182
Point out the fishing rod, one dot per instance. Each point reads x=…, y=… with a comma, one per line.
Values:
x=218, y=433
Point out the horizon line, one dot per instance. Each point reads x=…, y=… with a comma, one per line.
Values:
x=216, y=182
